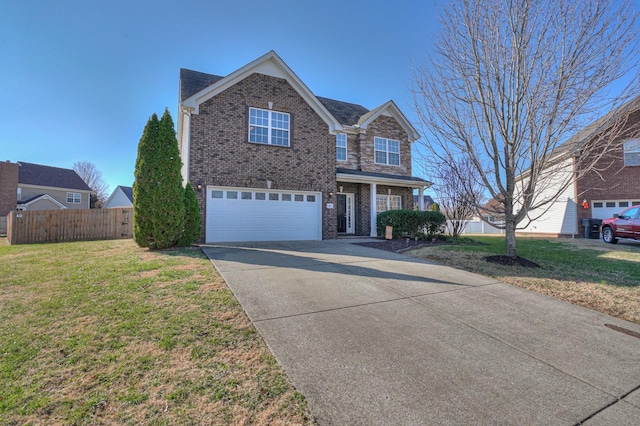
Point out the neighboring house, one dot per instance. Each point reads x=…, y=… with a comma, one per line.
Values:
x=8, y=187
x=427, y=202
x=492, y=211
x=272, y=161
x=612, y=185
x=48, y=188
x=122, y=196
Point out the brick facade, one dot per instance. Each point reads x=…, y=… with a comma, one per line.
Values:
x=361, y=148
x=8, y=187
x=220, y=153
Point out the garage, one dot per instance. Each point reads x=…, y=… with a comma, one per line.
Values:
x=250, y=214
x=606, y=209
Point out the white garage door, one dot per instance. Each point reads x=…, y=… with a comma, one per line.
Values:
x=606, y=209
x=246, y=214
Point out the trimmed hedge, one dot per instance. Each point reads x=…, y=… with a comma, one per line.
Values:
x=410, y=222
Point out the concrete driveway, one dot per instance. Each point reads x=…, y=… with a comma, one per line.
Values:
x=378, y=338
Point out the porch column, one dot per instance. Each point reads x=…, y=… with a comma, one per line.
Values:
x=420, y=198
x=373, y=208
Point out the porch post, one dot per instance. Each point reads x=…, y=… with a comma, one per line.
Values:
x=373, y=208
x=421, y=199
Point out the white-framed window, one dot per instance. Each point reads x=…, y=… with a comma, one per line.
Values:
x=341, y=147
x=387, y=151
x=268, y=127
x=19, y=194
x=73, y=197
x=388, y=202
x=632, y=152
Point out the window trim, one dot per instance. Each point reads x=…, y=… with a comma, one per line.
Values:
x=342, y=147
x=386, y=151
x=74, y=198
x=631, y=147
x=270, y=127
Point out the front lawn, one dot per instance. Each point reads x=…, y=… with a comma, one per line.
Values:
x=605, y=278
x=106, y=332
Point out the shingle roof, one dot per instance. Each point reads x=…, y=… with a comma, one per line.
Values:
x=191, y=82
x=37, y=174
x=346, y=113
x=127, y=191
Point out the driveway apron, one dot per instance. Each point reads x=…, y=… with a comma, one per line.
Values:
x=378, y=338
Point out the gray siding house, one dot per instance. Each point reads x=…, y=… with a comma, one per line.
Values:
x=48, y=188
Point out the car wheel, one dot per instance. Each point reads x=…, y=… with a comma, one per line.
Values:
x=608, y=236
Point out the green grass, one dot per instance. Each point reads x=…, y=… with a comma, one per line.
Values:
x=106, y=332
x=601, y=277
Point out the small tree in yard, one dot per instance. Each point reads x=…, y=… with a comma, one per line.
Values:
x=459, y=193
x=192, y=220
x=93, y=177
x=158, y=195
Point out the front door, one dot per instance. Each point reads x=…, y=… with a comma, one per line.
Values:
x=345, y=213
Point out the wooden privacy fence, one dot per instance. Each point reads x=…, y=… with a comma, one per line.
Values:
x=46, y=226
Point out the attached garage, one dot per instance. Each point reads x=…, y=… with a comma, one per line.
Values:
x=251, y=214
x=605, y=209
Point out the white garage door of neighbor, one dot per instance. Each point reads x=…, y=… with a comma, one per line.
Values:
x=246, y=214
x=606, y=209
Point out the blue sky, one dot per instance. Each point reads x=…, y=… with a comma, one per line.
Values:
x=79, y=79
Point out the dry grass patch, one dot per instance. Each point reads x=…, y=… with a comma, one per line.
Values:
x=108, y=333
x=584, y=272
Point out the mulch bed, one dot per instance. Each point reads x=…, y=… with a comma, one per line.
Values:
x=400, y=245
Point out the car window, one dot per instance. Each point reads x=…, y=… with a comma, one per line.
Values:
x=631, y=213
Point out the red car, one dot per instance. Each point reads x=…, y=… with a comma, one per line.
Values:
x=624, y=225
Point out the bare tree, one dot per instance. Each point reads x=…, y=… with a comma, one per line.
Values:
x=511, y=80
x=93, y=177
x=457, y=190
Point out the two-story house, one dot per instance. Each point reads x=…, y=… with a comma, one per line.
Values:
x=272, y=161
x=49, y=188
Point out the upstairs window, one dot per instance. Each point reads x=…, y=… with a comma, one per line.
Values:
x=19, y=194
x=73, y=197
x=341, y=147
x=632, y=152
x=268, y=127
x=387, y=151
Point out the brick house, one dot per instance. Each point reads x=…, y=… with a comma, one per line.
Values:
x=42, y=187
x=612, y=185
x=272, y=161
x=8, y=187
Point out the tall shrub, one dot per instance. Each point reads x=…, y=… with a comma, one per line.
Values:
x=157, y=190
x=192, y=220
x=410, y=222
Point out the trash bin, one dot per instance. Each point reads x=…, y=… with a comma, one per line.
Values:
x=592, y=228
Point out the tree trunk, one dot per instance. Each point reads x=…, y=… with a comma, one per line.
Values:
x=510, y=237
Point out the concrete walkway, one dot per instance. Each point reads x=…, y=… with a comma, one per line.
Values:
x=378, y=338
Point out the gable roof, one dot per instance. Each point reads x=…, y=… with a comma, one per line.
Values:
x=269, y=64
x=197, y=87
x=41, y=197
x=37, y=174
x=127, y=191
x=389, y=108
